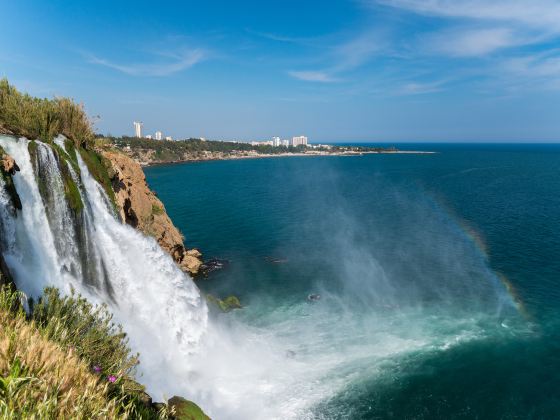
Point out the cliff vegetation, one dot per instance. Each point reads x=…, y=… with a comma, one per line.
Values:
x=65, y=358
x=37, y=118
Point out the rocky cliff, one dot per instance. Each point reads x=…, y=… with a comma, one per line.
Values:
x=139, y=207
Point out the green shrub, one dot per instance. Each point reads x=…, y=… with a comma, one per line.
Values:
x=66, y=356
x=41, y=380
x=156, y=210
x=44, y=119
x=75, y=323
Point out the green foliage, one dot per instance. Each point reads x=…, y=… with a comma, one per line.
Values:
x=71, y=151
x=11, y=301
x=44, y=119
x=41, y=381
x=33, y=148
x=156, y=210
x=73, y=322
x=98, y=168
x=62, y=356
x=71, y=190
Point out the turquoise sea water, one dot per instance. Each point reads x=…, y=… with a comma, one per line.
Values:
x=439, y=274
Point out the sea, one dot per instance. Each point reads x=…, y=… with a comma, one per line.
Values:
x=385, y=286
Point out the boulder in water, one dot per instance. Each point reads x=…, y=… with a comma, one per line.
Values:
x=186, y=410
x=273, y=260
x=227, y=304
x=313, y=297
x=211, y=265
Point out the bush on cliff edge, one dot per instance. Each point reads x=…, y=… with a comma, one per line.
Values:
x=66, y=359
x=36, y=118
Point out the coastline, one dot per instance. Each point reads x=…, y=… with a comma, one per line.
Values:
x=281, y=155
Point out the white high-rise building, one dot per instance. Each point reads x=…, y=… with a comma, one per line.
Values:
x=299, y=140
x=276, y=141
x=286, y=143
x=159, y=135
x=138, y=128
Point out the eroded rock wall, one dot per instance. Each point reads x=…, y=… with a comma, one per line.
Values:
x=139, y=207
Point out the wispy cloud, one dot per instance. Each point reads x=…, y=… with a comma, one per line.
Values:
x=279, y=38
x=510, y=43
x=536, y=71
x=343, y=57
x=313, y=76
x=172, y=63
x=466, y=42
x=542, y=14
x=481, y=27
x=421, y=88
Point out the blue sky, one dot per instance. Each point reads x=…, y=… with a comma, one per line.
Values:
x=354, y=70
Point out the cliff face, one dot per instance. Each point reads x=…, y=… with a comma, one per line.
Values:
x=139, y=207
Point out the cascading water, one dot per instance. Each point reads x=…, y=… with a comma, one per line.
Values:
x=148, y=294
x=298, y=356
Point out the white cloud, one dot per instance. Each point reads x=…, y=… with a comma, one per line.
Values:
x=358, y=50
x=176, y=62
x=481, y=27
x=344, y=57
x=541, y=14
x=534, y=66
x=472, y=42
x=416, y=88
x=313, y=76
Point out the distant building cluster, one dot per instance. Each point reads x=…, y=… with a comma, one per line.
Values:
x=157, y=136
x=277, y=142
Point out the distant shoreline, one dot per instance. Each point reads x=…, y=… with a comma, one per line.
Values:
x=281, y=155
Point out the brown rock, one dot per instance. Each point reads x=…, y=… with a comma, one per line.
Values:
x=4, y=130
x=139, y=207
x=9, y=165
x=194, y=253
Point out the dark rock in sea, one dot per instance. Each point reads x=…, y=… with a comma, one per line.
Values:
x=211, y=265
x=225, y=305
x=273, y=260
x=313, y=297
x=185, y=409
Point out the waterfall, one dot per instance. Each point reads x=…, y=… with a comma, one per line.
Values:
x=90, y=251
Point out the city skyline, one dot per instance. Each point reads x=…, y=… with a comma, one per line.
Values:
x=363, y=70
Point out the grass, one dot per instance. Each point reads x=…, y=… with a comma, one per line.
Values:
x=65, y=358
x=39, y=379
x=44, y=119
